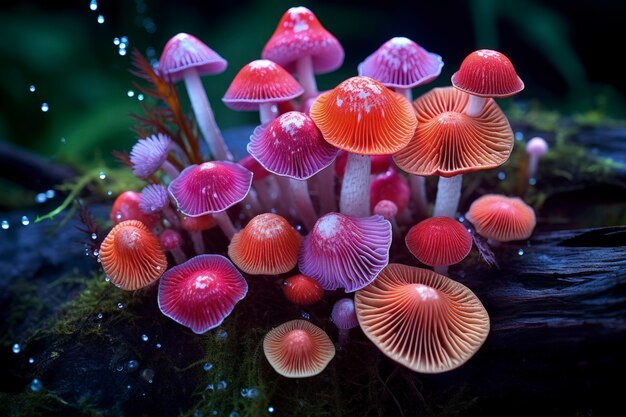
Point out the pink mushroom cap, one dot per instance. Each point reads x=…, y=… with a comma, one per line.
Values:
x=344, y=314
x=184, y=51
x=390, y=186
x=201, y=292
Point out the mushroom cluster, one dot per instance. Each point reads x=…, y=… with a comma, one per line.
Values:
x=331, y=189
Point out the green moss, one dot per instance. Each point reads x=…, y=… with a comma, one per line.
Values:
x=43, y=403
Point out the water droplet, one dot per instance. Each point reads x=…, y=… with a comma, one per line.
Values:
x=40, y=198
x=214, y=412
x=222, y=385
x=148, y=375
x=144, y=337
x=94, y=236
x=234, y=414
x=221, y=334
x=253, y=393
x=501, y=175
x=99, y=315
x=244, y=392
x=207, y=366
x=158, y=346
x=63, y=141
x=210, y=387
x=120, y=305
x=305, y=315
x=140, y=97
x=32, y=88
x=158, y=268
x=124, y=40
x=119, y=368
x=16, y=348
x=132, y=365
x=461, y=219
x=519, y=135
x=128, y=386
x=122, y=52
x=532, y=181
x=109, y=193
x=116, y=41
x=298, y=227
x=520, y=252
x=96, y=252
x=102, y=175
x=45, y=107
x=5, y=224
x=271, y=409
x=25, y=221
x=130, y=93
x=36, y=385
x=197, y=413
x=273, y=210
x=107, y=278
x=100, y=19
x=93, y=5
x=248, y=206
x=31, y=360
x=50, y=194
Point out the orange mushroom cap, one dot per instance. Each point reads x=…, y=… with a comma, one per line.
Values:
x=448, y=142
x=502, y=218
x=363, y=116
x=131, y=256
x=302, y=290
x=422, y=320
x=298, y=349
x=439, y=241
x=268, y=245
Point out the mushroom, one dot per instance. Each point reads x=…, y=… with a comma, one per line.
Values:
x=154, y=199
x=298, y=349
x=390, y=186
x=260, y=85
x=535, y=149
x=268, y=245
x=449, y=143
x=483, y=74
x=501, y=219
x=439, y=242
x=195, y=226
x=345, y=252
x=379, y=163
x=131, y=256
x=302, y=290
x=211, y=188
x=186, y=57
x=344, y=317
x=389, y=210
x=150, y=154
x=291, y=146
x=301, y=44
x=201, y=292
x=172, y=241
x=422, y=320
x=126, y=207
x=365, y=118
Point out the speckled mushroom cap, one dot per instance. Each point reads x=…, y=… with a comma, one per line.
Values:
x=201, y=292
x=298, y=349
x=502, y=218
x=268, y=245
x=184, y=51
x=364, y=117
x=422, y=320
x=292, y=146
x=487, y=73
x=439, y=241
x=299, y=34
x=131, y=256
x=401, y=63
x=346, y=252
x=448, y=142
x=302, y=290
x=210, y=187
x=390, y=186
x=261, y=81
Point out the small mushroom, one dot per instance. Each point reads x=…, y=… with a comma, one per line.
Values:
x=172, y=241
x=535, y=149
x=150, y=154
x=302, y=290
x=344, y=317
x=126, y=207
x=389, y=210
x=390, y=186
x=154, y=200
x=195, y=226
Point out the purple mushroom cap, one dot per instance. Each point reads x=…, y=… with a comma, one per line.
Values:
x=292, y=146
x=185, y=51
x=346, y=252
x=401, y=63
x=210, y=187
x=154, y=198
x=148, y=154
x=344, y=314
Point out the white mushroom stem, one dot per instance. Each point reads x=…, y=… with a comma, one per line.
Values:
x=204, y=116
x=264, y=193
x=170, y=170
x=285, y=196
x=354, y=199
x=306, y=77
x=441, y=269
x=267, y=112
x=251, y=203
x=406, y=92
x=448, y=196
x=533, y=162
x=198, y=242
x=304, y=205
x=418, y=195
x=474, y=105
x=179, y=255
x=224, y=222
x=326, y=182
x=171, y=217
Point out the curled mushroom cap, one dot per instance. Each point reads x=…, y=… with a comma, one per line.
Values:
x=346, y=252
x=439, y=241
x=201, y=292
x=502, y=218
x=261, y=81
x=267, y=245
x=363, y=116
x=292, y=146
x=401, y=63
x=344, y=314
x=487, y=73
x=210, y=187
x=131, y=256
x=422, y=320
x=300, y=34
x=184, y=51
x=448, y=142
x=298, y=349
x=302, y=290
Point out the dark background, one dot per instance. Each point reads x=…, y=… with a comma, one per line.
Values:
x=558, y=47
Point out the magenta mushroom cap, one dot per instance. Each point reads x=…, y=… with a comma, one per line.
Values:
x=147, y=155
x=201, y=292
x=390, y=186
x=345, y=252
x=299, y=34
x=344, y=314
x=154, y=198
x=292, y=146
x=170, y=239
x=184, y=51
x=210, y=187
x=401, y=63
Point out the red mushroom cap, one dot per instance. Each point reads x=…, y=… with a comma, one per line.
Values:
x=126, y=207
x=261, y=81
x=201, y=292
x=502, y=218
x=131, y=256
x=390, y=186
x=487, y=73
x=198, y=223
x=184, y=51
x=302, y=290
x=292, y=146
x=300, y=34
x=439, y=241
x=210, y=187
